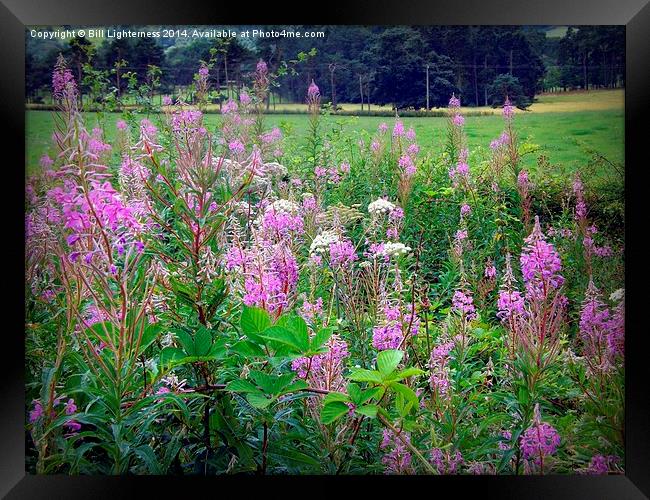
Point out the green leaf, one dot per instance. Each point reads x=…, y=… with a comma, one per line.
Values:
x=333, y=411
x=363, y=375
x=254, y=321
x=408, y=372
x=171, y=355
x=186, y=341
x=368, y=410
x=296, y=386
x=355, y=393
x=247, y=348
x=241, y=385
x=149, y=458
x=281, y=335
x=388, y=360
x=150, y=334
x=301, y=333
x=258, y=400
x=408, y=394
x=335, y=397
x=321, y=337
x=368, y=394
x=202, y=341
x=101, y=329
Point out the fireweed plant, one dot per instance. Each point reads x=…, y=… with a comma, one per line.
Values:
x=224, y=301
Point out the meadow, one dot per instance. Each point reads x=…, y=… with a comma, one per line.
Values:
x=245, y=293
x=561, y=125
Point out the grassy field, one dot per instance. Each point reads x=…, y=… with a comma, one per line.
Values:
x=562, y=125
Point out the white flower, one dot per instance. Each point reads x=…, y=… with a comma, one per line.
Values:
x=381, y=206
x=275, y=169
x=283, y=206
x=395, y=249
x=322, y=241
x=167, y=340
x=617, y=295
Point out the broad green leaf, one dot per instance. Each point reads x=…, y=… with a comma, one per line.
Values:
x=298, y=385
x=291, y=455
x=254, y=321
x=388, y=360
x=149, y=458
x=367, y=410
x=258, y=400
x=408, y=394
x=374, y=392
x=408, y=372
x=150, y=334
x=186, y=341
x=333, y=411
x=363, y=375
x=355, y=393
x=247, y=348
x=334, y=397
x=284, y=336
x=241, y=385
x=202, y=341
x=301, y=333
x=321, y=337
x=170, y=355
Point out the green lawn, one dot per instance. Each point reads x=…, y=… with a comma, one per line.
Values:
x=559, y=134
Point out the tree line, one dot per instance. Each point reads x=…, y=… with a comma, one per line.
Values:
x=403, y=66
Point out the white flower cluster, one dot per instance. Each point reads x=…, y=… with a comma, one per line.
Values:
x=274, y=169
x=617, y=295
x=322, y=241
x=381, y=206
x=284, y=206
x=395, y=249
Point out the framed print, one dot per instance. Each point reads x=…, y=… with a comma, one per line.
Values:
x=389, y=244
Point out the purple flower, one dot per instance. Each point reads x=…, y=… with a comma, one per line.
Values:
x=454, y=102
x=410, y=134
x=458, y=120
x=36, y=413
x=446, y=462
x=463, y=303
x=398, y=129
x=70, y=407
x=313, y=92
x=439, y=378
x=236, y=147
x=508, y=109
x=342, y=253
x=539, y=440
x=398, y=459
x=262, y=67
x=601, y=465
x=540, y=264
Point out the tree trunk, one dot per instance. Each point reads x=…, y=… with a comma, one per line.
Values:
x=475, y=82
x=485, y=85
x=361, y=92
x=225, y=69
x=427, y=87
x=332, y=68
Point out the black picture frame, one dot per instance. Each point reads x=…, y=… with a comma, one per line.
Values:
x=634, y=14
